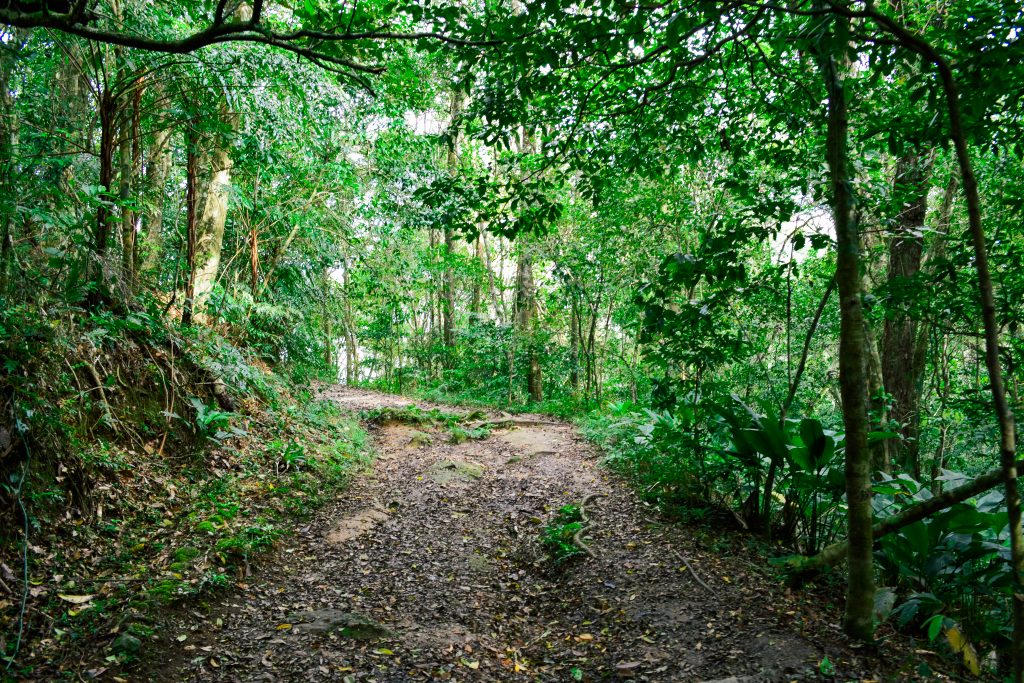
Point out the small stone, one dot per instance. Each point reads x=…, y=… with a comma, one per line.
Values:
x=348, y=624
x=420, y=439
x=126, y=644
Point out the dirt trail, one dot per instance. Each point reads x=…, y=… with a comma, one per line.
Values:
x=429, y=568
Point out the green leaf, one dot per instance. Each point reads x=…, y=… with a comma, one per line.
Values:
x=934, y=626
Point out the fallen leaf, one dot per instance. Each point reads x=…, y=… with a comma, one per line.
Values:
x=626, y=669
x=283, y=627
x=75, y=599
x=960, y=644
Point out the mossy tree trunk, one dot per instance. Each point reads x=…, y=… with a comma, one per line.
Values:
x=853, y=350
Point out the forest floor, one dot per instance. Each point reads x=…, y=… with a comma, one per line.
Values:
x=429, y=567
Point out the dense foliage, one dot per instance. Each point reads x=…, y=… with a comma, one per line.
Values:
x=753, y=243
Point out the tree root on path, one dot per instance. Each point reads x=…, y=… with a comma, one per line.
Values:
x=577, y=538
x=696, y=578
x=512, y=422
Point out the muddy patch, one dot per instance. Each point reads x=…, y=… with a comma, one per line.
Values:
x=356, y=525
x=529, y=442
x=455, y=472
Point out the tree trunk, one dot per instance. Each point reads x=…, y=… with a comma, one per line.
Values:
x=878, y=404
x=448, y=282
x=8, y=160
x=498, y=305
x=330, y=353
x=191, y=211
x=853, y=380
x=476, y=296
x=1004, y=414
x=937, y=251
x=801, y=366
x=211, y=217
x=158, y=169
x=351, y=351
x=129, y=153
x=526, y=314
x=254, y=260
x=574, y=344
x=108, y=143
x=591, y=355
x=986, y=295
x=902, y=362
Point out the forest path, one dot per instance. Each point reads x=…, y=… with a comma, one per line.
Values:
x=432, y=560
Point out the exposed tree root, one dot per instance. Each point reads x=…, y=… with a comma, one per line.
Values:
x=577, y=538
x=693, y=573
x=512, y=422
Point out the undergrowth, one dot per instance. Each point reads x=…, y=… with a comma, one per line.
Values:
x=557, y=537
x=457, y=425
x=163, y=463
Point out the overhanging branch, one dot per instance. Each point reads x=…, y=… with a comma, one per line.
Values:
x=302, y=42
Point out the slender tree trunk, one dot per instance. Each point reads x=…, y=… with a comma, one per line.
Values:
x=526, y=300
x=330, y=353
x=1004, y=414
x=802, y=364
x=526, y=314
x=448, y=282
x=191, y=216
x=476, y=295
x=108, y=143
x=448, y=295
x=8, y=161
x=902, y=364
x=936, y=252
x=574, y=344
x=348, y=323
x=592, y=354
x=431, y=293
x=859, y=615
x=986, y=295
x=128, y=160
x=158, y=169
x=498, y=305
x=878, y=404
x=254, y=260
x=211, y=217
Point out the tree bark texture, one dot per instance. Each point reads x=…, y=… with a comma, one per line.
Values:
x=526, y=314
x=158, y=169
x=211, y=215
x=853, y=380
x=101, y=238
x=901, y=353
x=448, y=282
x=191, y=214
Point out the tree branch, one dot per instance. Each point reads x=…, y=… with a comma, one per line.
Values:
x=298, y=42
x=836, y=553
